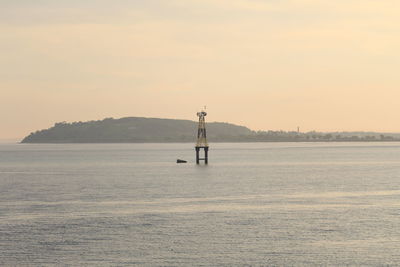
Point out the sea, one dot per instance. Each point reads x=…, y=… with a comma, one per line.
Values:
x=254, y=204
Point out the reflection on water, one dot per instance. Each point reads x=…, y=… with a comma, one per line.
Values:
x=256, y=204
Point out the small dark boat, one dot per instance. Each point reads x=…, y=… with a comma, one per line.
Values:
x=181, y=161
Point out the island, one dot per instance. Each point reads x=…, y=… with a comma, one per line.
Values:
x=156, y=130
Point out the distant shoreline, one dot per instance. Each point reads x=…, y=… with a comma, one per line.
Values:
x=156, y=130
x=211, y=142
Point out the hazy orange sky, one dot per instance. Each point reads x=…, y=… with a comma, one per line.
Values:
x=266, y=64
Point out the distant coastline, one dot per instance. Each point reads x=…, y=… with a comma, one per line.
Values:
x=155, y=130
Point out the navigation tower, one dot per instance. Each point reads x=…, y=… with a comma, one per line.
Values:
x=202, y=138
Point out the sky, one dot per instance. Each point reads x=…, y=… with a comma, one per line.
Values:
x=266, y=64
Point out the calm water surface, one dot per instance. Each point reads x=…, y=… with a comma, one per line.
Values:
x=279, y=204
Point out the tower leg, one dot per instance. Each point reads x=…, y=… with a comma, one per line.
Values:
x=206, y=155
x=197, y=155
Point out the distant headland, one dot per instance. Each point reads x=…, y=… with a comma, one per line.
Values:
x=155, y=130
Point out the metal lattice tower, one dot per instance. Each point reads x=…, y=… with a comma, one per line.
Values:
x=202, y=138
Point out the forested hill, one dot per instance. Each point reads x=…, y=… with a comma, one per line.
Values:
x=134, y=130
x=151, y=130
